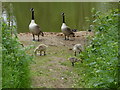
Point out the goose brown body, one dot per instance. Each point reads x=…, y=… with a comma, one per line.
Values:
x=66, y=30
x=34, y=28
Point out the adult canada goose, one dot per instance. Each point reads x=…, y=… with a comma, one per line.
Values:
x=34, y=28
x=66, y=30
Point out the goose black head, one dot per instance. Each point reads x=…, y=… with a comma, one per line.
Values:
x=89, y=30
x=32, y=9
x=62, y=14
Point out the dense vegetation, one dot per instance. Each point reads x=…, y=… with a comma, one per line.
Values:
x=0, y=65
x=100, y=67
x=15, y=61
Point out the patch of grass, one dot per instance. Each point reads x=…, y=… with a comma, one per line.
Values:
x=63, y=63
x=51, y=64
x=68, y=73
x=46, y=66
x=43, y=87
x=1, y=55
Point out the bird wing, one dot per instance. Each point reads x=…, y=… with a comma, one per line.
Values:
x=37, y=27
x=79, y=48
x=69, y=30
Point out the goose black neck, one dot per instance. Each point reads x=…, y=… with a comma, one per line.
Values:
x=63, y=19
x=32, y=15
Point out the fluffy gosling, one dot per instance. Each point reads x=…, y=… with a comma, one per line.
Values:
x=73, y=60
x=41, y=48
x=77, y=48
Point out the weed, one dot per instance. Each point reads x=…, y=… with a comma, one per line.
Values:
x=100, y=56
x=15, y=61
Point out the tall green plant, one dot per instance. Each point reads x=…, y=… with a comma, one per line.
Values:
x=0, y=65
x=15, y=61
x=100, y=67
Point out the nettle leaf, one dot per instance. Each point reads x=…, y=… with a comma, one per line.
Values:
x=92, y=63
x=87, y=19
x=95, y=21
x=98, y=84
x=93, y=10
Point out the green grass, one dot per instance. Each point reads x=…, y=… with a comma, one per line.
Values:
x=52, y=67
x=0, y=66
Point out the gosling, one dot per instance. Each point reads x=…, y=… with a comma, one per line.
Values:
x=73, y=60
x=41, y=48
x=77, y=48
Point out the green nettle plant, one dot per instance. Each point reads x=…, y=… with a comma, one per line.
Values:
x=15, y=61
x=100, y=67
x=0, y=60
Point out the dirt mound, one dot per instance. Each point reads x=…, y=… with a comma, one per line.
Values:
x=57, y=39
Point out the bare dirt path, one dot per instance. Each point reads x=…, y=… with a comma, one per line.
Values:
x=54, y=70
